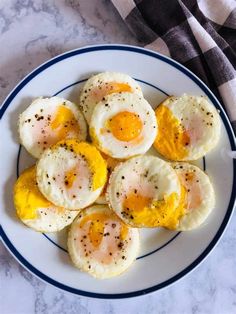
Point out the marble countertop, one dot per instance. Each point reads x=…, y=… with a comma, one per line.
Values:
x=31, y=32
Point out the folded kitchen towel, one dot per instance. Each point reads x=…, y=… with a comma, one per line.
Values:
x=199, y=34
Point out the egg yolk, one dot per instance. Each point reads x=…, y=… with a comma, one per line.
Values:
x=96, y=163
x=144, y=212
x=172, y=140
x=97, y=225
x=109, y=88
x=173, y=220
x=70, y=177
x=64, y=122
x=114, y=87
x=27, y=197
x=125, y=126
x=194, y=195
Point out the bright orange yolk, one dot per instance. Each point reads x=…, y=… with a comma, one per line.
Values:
x=172, y=140
x=97, y=225
x=27, y=197
x=125, y=126
x=64, y=123
x=144, y=212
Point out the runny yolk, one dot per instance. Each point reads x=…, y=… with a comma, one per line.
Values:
x=64, y=123
x=97, y=225
x=70, y=177
x=27, y=197
x=144, y=212
x=125, y=126
x=172, y=139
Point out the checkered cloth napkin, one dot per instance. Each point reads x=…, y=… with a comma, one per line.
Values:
x=199, y=34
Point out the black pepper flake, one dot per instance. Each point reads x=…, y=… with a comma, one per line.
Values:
x=47, y=175
x=110, y=254
x=120, y=245
x=123, y=257
x=113, y=225
x=49, y=182
x=66, y=182
x=122, y=177
x=135, y=191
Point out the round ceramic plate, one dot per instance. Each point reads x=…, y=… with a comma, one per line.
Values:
x=164, y=256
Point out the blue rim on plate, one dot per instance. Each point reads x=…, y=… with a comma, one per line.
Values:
x=230, y=133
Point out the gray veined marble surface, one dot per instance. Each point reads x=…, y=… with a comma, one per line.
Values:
x=31, y=32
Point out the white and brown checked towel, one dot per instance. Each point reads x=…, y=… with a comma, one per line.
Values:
x=199, y=34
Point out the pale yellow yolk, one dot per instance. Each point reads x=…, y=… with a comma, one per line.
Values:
x=96, y=163
x=114, y=87
x=173, y=221
x=27, y=197
x=97, y=226
x=64, y=123
x=144, y=212
x=172, y=140
x=125, y=126
x=70, y=177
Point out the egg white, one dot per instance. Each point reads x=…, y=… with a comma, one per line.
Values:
x=122, y=255
x=113, y=105
x=196, y=216
x=51, y=219
x=37, y=118
x=88, y=101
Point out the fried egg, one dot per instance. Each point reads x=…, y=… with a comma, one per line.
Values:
x=103, y=84
x=144, y=191
x=123, y=125
x=111, y=164
x=34, y=210
x=49, y=120
x=100, y=244
x=71, y=174
x=189, y=127
x=199, y=197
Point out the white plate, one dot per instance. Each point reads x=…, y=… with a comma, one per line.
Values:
x=165, y=256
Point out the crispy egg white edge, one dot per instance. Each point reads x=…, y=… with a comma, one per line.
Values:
x=183, y=105
x=197, y=216
x=102, y=271
x=48, y=221
x=52, y=192
x=86, y=106
x=115, y=183
x=24, y=132
x=127, y=102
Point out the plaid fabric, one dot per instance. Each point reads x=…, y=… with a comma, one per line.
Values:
x=199, y=34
